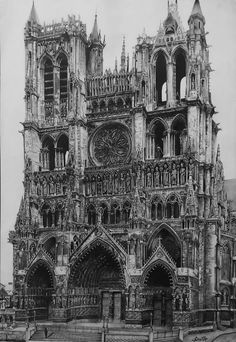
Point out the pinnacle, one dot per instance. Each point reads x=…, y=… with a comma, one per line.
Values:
x=95, y=34
x=197, y=8
x=33, y=18
x=197, y=11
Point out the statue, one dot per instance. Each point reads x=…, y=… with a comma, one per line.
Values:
x=156, y=177
x=182, y=174
x=149, y=178
x=174, y=175
x=159, y=153
x=165, y=176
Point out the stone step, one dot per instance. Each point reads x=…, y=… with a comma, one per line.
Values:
x=69, y=336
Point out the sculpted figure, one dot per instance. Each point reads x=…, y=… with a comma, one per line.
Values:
x=182, y=174
x=149, y=178
x=174, y=175
x=165, y=176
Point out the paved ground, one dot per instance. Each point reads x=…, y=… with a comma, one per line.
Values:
x=215, y=336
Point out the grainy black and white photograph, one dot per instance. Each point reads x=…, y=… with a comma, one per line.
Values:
x=118, y=171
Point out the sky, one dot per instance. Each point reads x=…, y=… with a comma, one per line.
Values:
x=115, y=19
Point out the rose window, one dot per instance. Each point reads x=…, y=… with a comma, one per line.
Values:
x=111, y=145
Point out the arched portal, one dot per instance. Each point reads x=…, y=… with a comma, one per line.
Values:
x=99, y=274
x=40, y=287
x=158, y=283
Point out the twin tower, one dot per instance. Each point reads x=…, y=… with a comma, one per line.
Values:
x=124, y=213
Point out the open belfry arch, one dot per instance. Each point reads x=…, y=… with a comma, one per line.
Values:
x=124, y=214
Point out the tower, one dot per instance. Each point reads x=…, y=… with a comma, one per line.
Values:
x=124, y=213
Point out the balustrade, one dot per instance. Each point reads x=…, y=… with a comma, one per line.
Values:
x=109, y=83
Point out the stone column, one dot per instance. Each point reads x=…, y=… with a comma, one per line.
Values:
x=169, y=84
x=210, y=263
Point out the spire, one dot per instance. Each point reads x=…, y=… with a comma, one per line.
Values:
x=197, y=11
x=33, y=18
x=197, y=8
x=123, y=55
x=95, y=34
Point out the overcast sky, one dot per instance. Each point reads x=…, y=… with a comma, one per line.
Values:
x=116, y=18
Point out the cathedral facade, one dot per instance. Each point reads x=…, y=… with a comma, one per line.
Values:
x=124, y=215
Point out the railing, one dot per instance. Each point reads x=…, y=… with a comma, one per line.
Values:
x=109, y=83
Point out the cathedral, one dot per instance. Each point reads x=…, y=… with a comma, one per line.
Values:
x=124, y=216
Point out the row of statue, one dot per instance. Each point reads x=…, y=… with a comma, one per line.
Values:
x=112, y=183
x=47, y=186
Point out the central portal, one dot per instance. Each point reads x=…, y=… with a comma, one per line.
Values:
x=158, y=284
x=99, y=272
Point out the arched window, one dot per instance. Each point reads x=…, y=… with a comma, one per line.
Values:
x=62, y=151
x=91, y=215
x=178, y=128
x=161, y=77
x=48, y=154
x=120, y=103
x=46, y=216
x=104, y=213
x=159, y=136
x=94, y=106
x=126, y=212
x=115, y=214
x=172, y=207
x=48, y=80
x=63, y=79
x=102, y=106
x=225, y=263
x=180, y=65
x=111, y=105
x=156, y=209
x=128, y=102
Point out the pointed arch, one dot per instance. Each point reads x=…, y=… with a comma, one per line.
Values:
x=62, y=150
x=94, y=262
x=48, y=79
x=161, y=77
x=158, y=127
x=62, y=61
x=149, y=278
x=180, y=70
x=169, y=239
x=40, y=275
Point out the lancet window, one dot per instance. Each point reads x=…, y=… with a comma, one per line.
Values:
x=172, y=207
x=47, y=156
x=62, y=151
x=48, y=80
x=156, y=209
x=126, y=212
x=63, y=79
x=225, y=263
x=115, y=214
x=161, y=78
x=180, y=74
x=178, y=136
x=91, y=214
